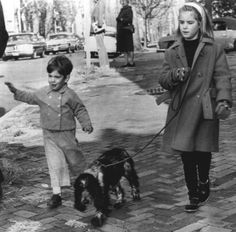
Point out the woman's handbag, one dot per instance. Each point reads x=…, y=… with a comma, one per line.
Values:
x=129, y=27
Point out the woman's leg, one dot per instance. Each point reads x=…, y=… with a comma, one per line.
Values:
x=130, y=59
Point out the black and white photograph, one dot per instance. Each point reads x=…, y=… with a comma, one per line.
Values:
x=117, y=116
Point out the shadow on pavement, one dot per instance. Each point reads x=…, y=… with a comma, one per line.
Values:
x=25, y=167
x=146, y=70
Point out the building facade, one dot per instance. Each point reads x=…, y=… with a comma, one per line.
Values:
x=12, y=15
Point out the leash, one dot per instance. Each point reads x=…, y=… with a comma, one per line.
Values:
x=177, y=109
x=145, y=146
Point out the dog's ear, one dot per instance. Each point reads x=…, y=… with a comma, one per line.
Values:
x=94, y=187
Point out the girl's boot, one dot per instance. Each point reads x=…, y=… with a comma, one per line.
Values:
x=204, y=191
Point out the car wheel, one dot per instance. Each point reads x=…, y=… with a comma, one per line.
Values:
x=69, y=50
x=42, y=55
x=34, y=55
x=5, y=59
x=234, y=45
x=93, y=54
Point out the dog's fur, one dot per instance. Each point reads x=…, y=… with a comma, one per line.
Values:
x=96, y=182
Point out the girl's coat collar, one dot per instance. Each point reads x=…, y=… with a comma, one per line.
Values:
x=178, y=42
x=181, y=53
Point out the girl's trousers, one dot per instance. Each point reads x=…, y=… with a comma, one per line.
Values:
x=196, y=167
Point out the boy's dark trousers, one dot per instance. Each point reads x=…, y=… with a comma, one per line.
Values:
x=196, y=168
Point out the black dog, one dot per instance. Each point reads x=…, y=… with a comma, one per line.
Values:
x=103, y=175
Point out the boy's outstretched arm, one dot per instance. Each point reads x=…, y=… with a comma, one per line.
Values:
x=11, y=87
x=22, y=96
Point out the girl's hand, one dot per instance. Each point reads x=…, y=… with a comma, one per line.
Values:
x=181, y=74
x=10, y=87
x=222, y=110
x=88, y=129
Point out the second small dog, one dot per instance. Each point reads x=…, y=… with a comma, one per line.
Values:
x=103, y=175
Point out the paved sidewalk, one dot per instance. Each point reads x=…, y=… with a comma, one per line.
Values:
x=163, y=190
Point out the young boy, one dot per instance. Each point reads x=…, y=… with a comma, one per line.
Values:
x=59, y=106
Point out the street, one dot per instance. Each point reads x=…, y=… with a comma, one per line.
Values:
x=27, y=73
x=108, y=104
x=123, y=115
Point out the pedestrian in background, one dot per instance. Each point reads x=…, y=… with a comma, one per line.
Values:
x=196, y=74
x=98, y=29
x=3, y=44
x=125, y=30
x=59, y=106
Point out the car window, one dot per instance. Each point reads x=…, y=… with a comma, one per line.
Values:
x=58, y=36
x=219, y=26
x=20, y=38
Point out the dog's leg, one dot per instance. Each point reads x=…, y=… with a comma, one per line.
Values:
x=132, y=177
x=119, y=196
x=101, y=204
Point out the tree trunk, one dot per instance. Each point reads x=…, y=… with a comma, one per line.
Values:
x=136, y=35
x=145, y=32
x=87, y=21
x=49, y=19
x=208, y=5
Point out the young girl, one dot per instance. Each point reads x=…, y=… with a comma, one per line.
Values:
x=196, y=74
x=59, y=106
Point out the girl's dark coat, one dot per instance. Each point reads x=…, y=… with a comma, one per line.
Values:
x=189, y=131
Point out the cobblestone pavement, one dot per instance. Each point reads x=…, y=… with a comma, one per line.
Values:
x=163, y=190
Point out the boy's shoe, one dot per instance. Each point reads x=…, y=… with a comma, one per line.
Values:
x=54, y=202
x=204, y=191
x=192, y=206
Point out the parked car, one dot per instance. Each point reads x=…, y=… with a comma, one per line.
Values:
x=24, y=45
x=61, y=42
x=80, y=43
x=224, y=30
x=109, y=42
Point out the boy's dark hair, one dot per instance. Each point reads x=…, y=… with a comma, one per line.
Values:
x=61, y=64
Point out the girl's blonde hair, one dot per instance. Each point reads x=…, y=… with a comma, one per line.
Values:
x=201, y=15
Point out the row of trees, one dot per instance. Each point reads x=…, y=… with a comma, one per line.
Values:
x=220, y=8
x=45, y=16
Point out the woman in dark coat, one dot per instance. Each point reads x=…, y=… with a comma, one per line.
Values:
x=125, y=36
x=196, y=74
